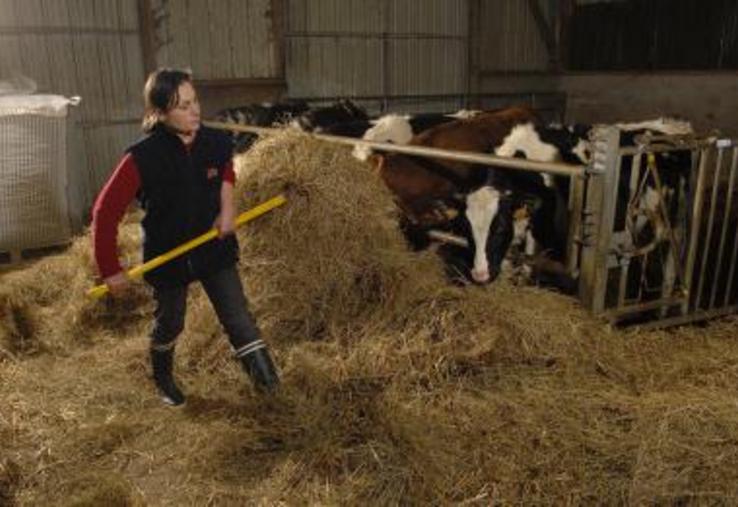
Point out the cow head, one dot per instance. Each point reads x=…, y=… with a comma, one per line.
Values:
x=533, y=142
x=481, y=208
x=317, y=120
x=392, y=128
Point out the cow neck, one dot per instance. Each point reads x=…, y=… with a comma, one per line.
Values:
x=438, y=169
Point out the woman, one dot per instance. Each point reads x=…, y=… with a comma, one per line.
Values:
x=182, y=175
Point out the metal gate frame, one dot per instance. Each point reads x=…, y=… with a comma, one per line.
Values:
x=703, y=251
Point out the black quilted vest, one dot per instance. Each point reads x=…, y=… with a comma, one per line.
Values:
x=180, y=193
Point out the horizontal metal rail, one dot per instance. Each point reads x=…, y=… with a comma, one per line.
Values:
x=636, y=308
x=695, y=316
x=459, y=156
x=661, y=148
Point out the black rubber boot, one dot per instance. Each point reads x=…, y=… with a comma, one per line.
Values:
x=258, y=364
x=161, y=362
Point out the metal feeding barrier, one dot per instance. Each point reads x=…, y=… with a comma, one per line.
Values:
x=644, y=251
x=658, y=254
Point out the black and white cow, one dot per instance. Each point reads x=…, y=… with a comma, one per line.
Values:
x=321, y=119
x=549, y=195
x=400, y=128
x=479, y=194
x=266, y=114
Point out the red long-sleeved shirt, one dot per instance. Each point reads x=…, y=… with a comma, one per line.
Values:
x=110, y=206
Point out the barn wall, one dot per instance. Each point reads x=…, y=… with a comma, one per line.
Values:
x=234, y=47
x=654, y=35
x=89, y=48
x=510, y=56
x=510, y=39
x=218, y=39
x=247, y=50
x=709, y=100
x=375, y=48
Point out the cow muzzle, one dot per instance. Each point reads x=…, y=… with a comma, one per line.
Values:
x=480, y=276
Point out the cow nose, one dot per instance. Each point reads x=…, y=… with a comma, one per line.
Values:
x=480, y=276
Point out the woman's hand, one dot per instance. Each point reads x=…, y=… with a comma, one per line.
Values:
x=225, y=223
x=117, y=284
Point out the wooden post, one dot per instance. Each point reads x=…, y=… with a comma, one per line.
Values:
x=599, y=218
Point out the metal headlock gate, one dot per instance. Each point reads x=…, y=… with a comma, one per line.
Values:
x=654, y=254
x=678, y=266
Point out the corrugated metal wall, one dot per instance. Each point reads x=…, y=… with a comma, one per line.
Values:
x=655, y=35
x=510, y=39
x=373, y=48
x=218, y=39
x=418, y=49
x=88, y=48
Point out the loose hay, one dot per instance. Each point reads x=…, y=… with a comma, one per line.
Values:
x=397, y=389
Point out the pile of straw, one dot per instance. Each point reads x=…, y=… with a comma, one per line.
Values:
x=397, y=388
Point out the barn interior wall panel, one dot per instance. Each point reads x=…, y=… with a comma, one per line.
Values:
x=510, y=41
x=89, y=48
x=376, y=48
x=654, y=35
x=217, y=39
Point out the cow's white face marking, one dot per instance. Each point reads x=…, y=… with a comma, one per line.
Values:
x=582, y=151
x=392, y=128
x=524, y=138
x=481, y=208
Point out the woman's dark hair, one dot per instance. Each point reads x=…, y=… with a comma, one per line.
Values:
x=161, y=94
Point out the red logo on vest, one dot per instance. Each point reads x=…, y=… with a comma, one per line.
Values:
x=212, y=173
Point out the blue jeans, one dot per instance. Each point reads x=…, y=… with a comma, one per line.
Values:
x=226, y=294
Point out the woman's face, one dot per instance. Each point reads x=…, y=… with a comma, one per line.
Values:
x=184, y=117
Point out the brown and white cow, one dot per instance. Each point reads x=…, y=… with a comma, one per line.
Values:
x=420, y=184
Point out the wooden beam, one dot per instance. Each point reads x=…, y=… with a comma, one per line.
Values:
x=147, y=33
x=547, y=33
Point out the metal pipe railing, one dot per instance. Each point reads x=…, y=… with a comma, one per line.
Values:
x=710, y=224
x=724, y=232
x=695, y=226
x=459, y=156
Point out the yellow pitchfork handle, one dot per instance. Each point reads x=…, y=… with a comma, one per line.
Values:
x=100, y=290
